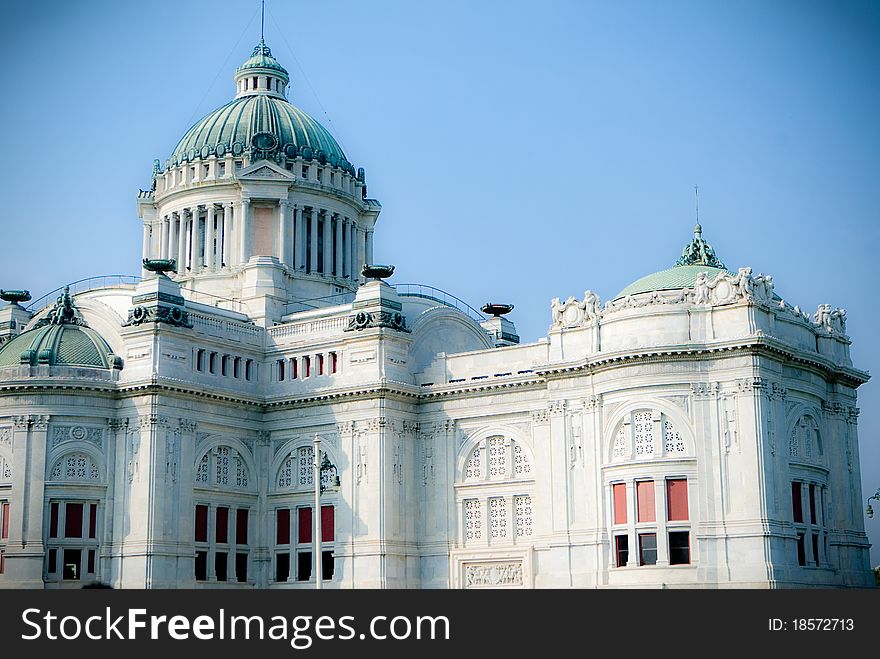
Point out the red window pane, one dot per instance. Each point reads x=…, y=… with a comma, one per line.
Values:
x=241, y=526
x=320, y=364
x=645, y=496
x=73, y=520
x=282, y=526
x=797, y=503
x=306, y=366
x=305, y=525
x=294, y=369
x=53, y=520
x=93, y=519
x=327, y=523
x=333, y=362
x=221, y=533
x=91, y=562
x=677, y=499
x=4, y=515
x=619, y=490
x=201, y=523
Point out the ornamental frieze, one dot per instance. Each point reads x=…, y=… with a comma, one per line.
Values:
x=493, y=574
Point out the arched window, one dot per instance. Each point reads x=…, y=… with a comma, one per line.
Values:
x=497, y=458
x=644, y=434
x=804, y=441
x=297, y=470
x=75, y=467
x=224, y=467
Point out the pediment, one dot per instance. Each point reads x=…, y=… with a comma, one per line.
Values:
x=265, y=169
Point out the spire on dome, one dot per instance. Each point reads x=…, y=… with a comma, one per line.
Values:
x=699, y=252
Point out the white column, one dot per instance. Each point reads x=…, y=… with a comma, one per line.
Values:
x=314, y=241
x=181, y=242
x=146, y=246
x=227, y=234
x=192, y=237
x=172, y=237
x=163, y=246
x=285, y=253
x=328, y=243
x=361, y=249
x=245, y=230
x=352, y=248
x=338, y=270
x=209, y=238
x=369, y=247
x=299, y=240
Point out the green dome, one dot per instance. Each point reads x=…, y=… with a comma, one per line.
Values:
x=698, y=256
x=233, y=127
x=59, y=345
x=681, y=276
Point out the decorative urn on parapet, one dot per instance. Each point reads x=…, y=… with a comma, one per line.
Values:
x=160, y=266
x=14, y=297
x=376, y=303
x=502, y=331
x=376, y=271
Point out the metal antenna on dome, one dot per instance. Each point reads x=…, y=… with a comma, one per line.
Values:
x=697, y=201
x=262, y=18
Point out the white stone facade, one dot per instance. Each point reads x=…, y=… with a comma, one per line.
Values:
x=699, y=436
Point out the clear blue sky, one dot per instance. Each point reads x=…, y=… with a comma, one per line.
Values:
x=521, y=151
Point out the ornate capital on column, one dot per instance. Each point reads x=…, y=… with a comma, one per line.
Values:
x=540, y=416
x=556, y=407
x=345, y=428
x=187, y=425
x=41, y=422
x=21, y=422
x=117, y=424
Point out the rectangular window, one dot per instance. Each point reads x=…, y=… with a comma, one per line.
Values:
x=224, y=365
x=294, y=370
x=248, y=369
x=52, y=562
x=621, y=550
x=201, y=530
x=73, y=521
x=220, y=565
x=236, y=367
x=91, y=562
x=2, y=562
x=201, y=566
x=812, y=492
x=212, y=363
x=327, y=523
x=282, y=567
x=304, y=566
x=320, y=364
x=222, y=168
x=645, y=497
x=4, y=520
x=241, y=526
x=282, y=526
x=816, y=549
x=797, y=503
x=241, y=561
x=93, y=520
x=334, y=362
x=305, y=525
x=221, y=532
x=679, y=547
x=200, y=360
x=305, y=172
x=619, y=497
x=306, y=366
x=281, y=363
x=53, y=520
x=801, y=549
x=677, y=499
x=327, y=565
x=647, y=549
x=71, y=568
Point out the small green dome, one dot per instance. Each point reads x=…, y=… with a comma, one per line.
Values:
x=262, y=59
x=59, y=345
x=681, y=276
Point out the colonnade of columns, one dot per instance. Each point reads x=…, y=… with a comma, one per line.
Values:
x=215, y=236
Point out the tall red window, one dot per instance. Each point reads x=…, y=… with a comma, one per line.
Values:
x=201, y=531
x=93, y=520
x=797, y=503
x=327, y=523
x=619, y=496
x=645, y=497
x=334, y=362
x=677, y=499
x=282, y=526
x=320, y=360
x=53, y=520
x=294, y=370
x=222, y=530
x=73, y=523
x=241, y=526
x=4, y=520
x=305, y=525
x=306, y=367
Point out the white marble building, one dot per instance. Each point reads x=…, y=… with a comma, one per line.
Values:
x=693, y=431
